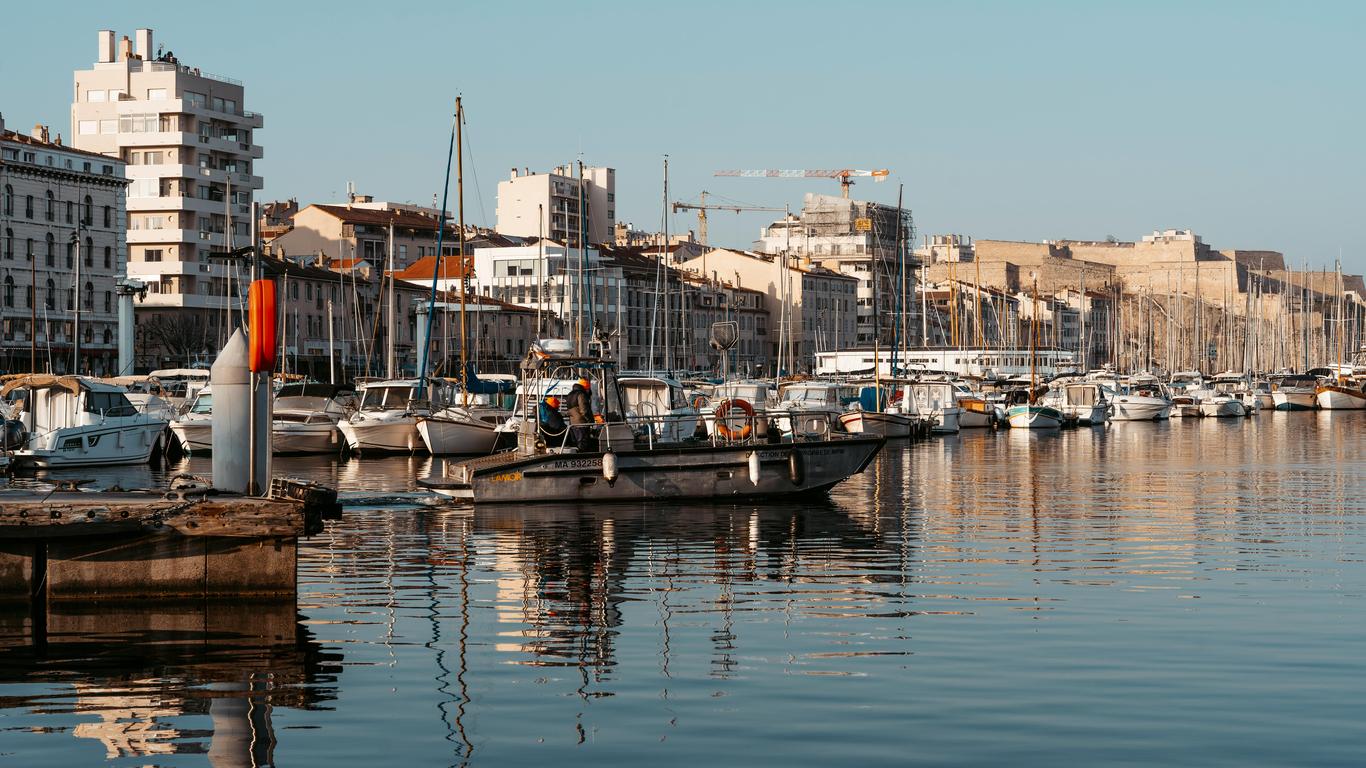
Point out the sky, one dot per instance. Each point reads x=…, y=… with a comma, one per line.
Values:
x=1007, y=120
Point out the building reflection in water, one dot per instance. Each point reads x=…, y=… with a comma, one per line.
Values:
x=134, y=674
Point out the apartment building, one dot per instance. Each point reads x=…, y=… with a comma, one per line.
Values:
x=853, y=237
x=190, y=151
x=62, y=212
x=810, y=308
x=559, y=205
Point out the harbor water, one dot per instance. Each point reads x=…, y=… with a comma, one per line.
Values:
x=1189, y=593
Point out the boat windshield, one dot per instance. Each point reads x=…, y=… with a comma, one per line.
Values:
x=818, y=395
x=202, y=404
x=386, y=398
x=754, y=393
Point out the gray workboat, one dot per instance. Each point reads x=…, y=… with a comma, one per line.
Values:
x=619, y=458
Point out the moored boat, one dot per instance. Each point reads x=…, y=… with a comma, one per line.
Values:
x=194, y=427
x=1296, y=392
x=76, y=421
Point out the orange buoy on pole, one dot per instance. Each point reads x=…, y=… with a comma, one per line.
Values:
x=262, y=320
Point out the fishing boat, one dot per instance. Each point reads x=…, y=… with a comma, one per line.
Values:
x=194, y=427
x=1343, y=394
x=306, y=415
x=1027, y=411
x=77, y=421
x=1296, y=392
x=619, y=461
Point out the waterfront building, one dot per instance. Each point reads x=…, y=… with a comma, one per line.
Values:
x=62, y=209
x=853, y=237
x=190, y=150
x=549, y=205
x=810, y=308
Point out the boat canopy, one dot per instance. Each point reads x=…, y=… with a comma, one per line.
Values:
x=314, y=389
x=72, y=384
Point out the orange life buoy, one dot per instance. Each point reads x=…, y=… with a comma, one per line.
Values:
x=723, y=429
x=262, y=326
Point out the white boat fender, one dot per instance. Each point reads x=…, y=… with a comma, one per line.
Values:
x=754, y=467
x=796, y=468
x=609, y=467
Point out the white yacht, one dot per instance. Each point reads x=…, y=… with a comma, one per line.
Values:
x=306, y=415
x=194, y=427
x=386, y=419
x=935, y=400
x=1227, y=395
x=1141, y=398
x=75, y=421
x=1296, y=392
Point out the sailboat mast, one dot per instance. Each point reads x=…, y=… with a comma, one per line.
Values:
x=460, y=255
x=423, y=353
x=1033, y=339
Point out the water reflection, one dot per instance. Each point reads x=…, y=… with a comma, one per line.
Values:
x=130, y=678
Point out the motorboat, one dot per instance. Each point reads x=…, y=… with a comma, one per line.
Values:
x=974, y=411
x=728, y=396
x=180, y=384
x=811, y=406
x=77, y=421
x=659, y=404
x=1262, y=398
x=306, y=415
x=458, y=430
x=1296, y=392
x=1084, y=401
x=871, y=414
x=386, y=419
x=194, y=427
x=619, y=462
x=1227, y=395
x=933, y=400
x=1341, y=393
x=1141, y=398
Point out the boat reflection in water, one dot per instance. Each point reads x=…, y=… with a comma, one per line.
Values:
x=132, y=677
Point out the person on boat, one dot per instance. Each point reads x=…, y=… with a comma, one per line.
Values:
x=551, y=423
x=580, y=402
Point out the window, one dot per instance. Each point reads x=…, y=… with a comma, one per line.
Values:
x=89, y=297
x=108, y=217
x=88, y=213
x=51, y=302
x=70, y=251
x=108, y=307
x=94, y=95
x=52, y=251
x=108, y=257
x=9, y=200
x=28, y=206
x=9, y=243
x=87, y=127
x=69, y=207
x=51, y=213
x=108, y=335
x=156, y=94
x=151, y=254
x=28, y=248
x=109, y=127
x=9, y=291
x=89, y=252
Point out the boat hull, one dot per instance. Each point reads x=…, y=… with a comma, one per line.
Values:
x=1294, y=400
x=1034, y=417
x=1223, y=408
x=1340, y=398
x=195, y=437
x=1140, y=409
x=704, y=472
x=398, y=435
x=892, y=425
x=449, y=437
x=98, y=447
x=975, y=414
x=305, y=438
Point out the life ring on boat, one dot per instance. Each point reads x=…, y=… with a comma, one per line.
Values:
x=723, y=409
x=699, y=402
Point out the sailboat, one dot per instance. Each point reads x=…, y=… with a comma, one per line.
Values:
x=453, y=429
x=1033, y=414
x=1344, y=393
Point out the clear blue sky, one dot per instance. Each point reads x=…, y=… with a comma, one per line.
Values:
x=1014, y=120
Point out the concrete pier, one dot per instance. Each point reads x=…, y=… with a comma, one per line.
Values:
x=187, y=544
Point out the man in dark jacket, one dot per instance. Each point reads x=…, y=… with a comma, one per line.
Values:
x=580, y=404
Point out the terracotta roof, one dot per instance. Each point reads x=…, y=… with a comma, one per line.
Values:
x=423, y=268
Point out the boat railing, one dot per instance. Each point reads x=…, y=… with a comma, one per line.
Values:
x=648, y=430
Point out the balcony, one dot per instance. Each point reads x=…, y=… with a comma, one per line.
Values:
x=152, y=271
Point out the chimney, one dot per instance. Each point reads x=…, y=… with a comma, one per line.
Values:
x=39, y=132
x=105, y=50
x=144, y=44
x=514, y=174
x=125, y=49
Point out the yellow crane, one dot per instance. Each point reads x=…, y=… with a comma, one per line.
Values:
x=702, y=209
x=845, y=175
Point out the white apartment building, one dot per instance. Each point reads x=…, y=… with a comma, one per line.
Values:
x=190, y=153
x=61, y=210
x=548, y=205
x=850, y=236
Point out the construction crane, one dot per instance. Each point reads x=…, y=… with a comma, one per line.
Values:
x=845, y=175
x=702, y=209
